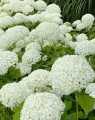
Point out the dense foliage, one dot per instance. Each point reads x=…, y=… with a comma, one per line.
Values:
x=47, y=67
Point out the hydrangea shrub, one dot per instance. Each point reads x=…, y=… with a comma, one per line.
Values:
x=47, y=67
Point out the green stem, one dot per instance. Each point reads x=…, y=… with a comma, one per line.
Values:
x=76, y=106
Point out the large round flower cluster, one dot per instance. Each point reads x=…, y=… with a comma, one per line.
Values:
x=31, y=56
x=24, y=68
x=82, y=45
x=37, y=81
x=7, y=59
x=85, y=48
x=13, y=94
x=12, y=35
x=86, y=22
x=69, y=74
x=46, y=34
x=42, y=106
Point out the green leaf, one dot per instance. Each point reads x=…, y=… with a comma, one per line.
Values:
x=17, y=116
x=5, y=113
x=91, y=36
x=73, y=116
x=17, y=111
x=20, y=54
x=14, y=73
x=86, y=102
x=63, y=117
x=68, y=104
x=18, y=108
x=92, y=118
x=92, y=61
x=68, y=107
x=68, y=97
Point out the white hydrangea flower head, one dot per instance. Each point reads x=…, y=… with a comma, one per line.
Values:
x=61, y=37
x=43, y=13
x=3, y=14
x=81, y=37
x=28, y=42
x=42, y=106
x=67, y=39
x=33, y=36
x=23, y=43
x=71, y=44
x=35, y=18
x=75, y=23
x=24, y=69
x=24, y=82
x=20, y=43
x=20, y=18
x=90, y=88
x=47, y=32
x=40, y=5
x=69, y=74
x=6, y=22
x=50, y=16
x=13, y=94
x=80, y=26
x=1, y=32
x=27, y=9
x=6, y=7
x=31, y=57
x=38, y=80
x=88, y=20
x=29, y=2
x=12, y=35
x=53, y=8
x=15, y=6
x=33, y=45
x=65, y=29
x=85, y=48
x=7, y=59
x=57, y=20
